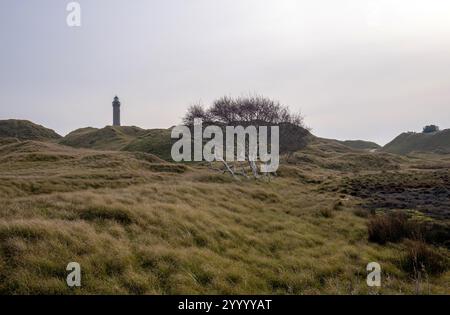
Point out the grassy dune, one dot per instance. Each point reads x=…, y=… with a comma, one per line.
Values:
x=108, y=138
x=437, y=142
x=26, y=130
x=139, y=225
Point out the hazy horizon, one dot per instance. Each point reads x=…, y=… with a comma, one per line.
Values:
x=356, y=69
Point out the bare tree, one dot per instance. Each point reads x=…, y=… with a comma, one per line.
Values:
x=251, y=109
x=195, y=111
x=255, y=111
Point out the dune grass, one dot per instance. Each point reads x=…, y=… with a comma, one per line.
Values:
x=139, y=225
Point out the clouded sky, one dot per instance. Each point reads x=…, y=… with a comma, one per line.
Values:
x=357, y=69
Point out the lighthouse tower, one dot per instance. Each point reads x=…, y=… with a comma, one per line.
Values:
x=116, y=111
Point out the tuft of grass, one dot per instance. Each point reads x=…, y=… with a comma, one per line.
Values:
x=338, y=205
x=119, y=215
x=167, y=168
x=215, y=178
x=326, y=213
x=22, y=230
x=391, y=227
x=421, y=257
x=362, y=213
x=265, y=196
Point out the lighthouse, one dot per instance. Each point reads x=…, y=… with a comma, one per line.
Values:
x=116, y=111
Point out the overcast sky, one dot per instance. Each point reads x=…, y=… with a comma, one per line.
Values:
x=356, y=69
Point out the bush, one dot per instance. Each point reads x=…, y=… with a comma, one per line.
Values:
x=396, y=226
x=430, y=128
x=391, y=227
x=424, y=258
x=436, y=233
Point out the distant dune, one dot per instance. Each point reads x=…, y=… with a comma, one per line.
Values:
x=158, y=141
x=26, y=130
x=361, y=144
x=123, y=138
x=408, y=142
x=108, y=138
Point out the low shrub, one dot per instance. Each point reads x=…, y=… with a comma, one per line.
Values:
x=422, y=257
x=391, y=227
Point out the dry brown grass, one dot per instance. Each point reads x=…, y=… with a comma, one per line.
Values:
x=421, y=257
x=391, y=227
